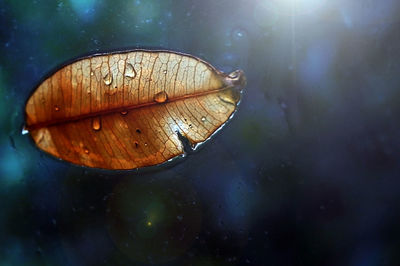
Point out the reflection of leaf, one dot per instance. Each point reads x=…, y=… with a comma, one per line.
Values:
x=129, y=110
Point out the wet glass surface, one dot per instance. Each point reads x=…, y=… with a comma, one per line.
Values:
x=306, y=173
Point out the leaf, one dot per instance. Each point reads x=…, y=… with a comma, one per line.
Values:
x=131, y=109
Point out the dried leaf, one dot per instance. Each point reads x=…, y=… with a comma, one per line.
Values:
x=131, y=109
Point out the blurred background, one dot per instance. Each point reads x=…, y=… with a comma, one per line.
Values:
x=306, y=173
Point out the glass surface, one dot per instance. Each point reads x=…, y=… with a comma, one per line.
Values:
x=306, y=173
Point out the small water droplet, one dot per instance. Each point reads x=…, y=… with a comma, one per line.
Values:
x=56, y=108
x=86, y=151
x=130, y=71
x=165, y=71
x=161, y=97
x=24, y=131
x=136, y=144
x=138, y=131
x=91, y=73
x=203, y=119
x=96, y=123
x=124, y=112
x=190, y=125
x=108, y=79
x=145, y=144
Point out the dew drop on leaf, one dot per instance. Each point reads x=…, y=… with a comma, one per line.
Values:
x=161, y=97
x=96, y=123
x=108, y=79
x=130, y=71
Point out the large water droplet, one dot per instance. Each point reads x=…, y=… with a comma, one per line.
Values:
x=203, y=119
x=161, y=97
x=108, y=79
x=96, y=123
x=130, y=71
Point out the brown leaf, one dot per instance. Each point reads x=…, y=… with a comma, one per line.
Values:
x=131, y=109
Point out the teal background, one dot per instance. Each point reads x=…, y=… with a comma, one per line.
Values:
x=306, y=173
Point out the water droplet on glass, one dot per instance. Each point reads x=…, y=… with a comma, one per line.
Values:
x=91, y=73
x=138, y=131
x=56, y=108
x=165, y=71
x=86, y=151
x=124, y=112
x=130, y=71
x=203, y=119
x=108, y=79
x=145, y=144
x=96, y=123
x=161, y=97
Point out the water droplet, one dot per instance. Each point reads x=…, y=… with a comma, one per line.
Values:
x=145, y=144
x=165, y=71
x=56, y=108
x=138, y=131
x=91, y=73
x=108, y=79
x=86, y=151
x=130, y=71
x=161, y=97
x=24, y=131
x=203, y=119
x=124, y=112
x=136, y=144
x=96, y=123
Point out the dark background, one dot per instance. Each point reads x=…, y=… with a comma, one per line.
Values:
x=306, y=173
